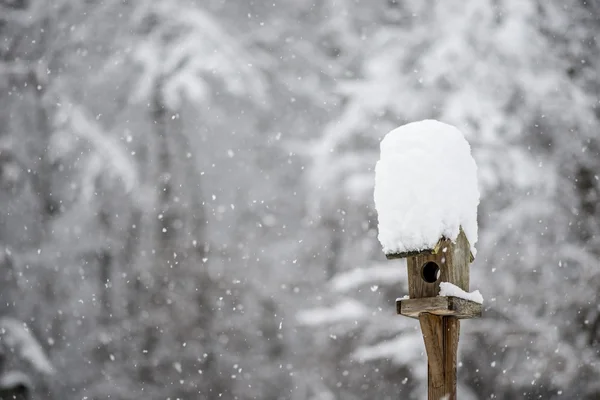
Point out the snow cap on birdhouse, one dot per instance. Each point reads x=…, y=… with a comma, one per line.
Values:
x=426, y=198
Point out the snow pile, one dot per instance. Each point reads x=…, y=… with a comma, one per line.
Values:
x=425, y=187
x=448, y=289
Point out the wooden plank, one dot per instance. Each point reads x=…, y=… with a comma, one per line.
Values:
x=458, y=259
x=431, y=327
x=442, y=306
x=451, y=327
x=441, y=343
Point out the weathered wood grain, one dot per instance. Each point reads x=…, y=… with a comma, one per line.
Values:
x=441, y=306
x=453, y=259
x=441, y=343
x=434, y=343
x=451, y=329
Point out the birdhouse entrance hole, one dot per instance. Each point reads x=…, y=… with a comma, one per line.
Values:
x=430, y=272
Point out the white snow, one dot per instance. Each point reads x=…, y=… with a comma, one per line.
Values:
x=346, y=310
x=448, y=289
x=404, y=349
x=425, y=187
x=16, y=336
x=377, y=274
x=12, y=379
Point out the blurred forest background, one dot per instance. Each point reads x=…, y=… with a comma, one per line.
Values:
x=186, y=195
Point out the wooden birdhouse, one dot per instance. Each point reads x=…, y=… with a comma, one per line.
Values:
x=449, y=261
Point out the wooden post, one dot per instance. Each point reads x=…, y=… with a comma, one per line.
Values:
x=441, y=343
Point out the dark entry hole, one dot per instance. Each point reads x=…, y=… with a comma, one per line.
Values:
x=430, y=272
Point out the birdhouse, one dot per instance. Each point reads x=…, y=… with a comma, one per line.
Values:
x=448, y=261
x=426, y=198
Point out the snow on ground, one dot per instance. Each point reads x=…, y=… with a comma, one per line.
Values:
x=425, y=187
x=448, y=289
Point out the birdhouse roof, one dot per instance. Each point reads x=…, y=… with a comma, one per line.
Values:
x=439, y=247
x=425, y=188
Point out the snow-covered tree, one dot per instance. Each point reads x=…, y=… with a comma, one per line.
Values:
x=498, y=71
x=185, y=192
